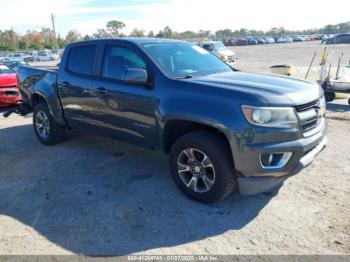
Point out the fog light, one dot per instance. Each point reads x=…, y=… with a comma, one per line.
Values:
x=275, y=160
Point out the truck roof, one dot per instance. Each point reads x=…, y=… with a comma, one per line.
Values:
x=134, y=40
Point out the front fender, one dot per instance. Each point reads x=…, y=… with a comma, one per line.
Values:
x=220, y=113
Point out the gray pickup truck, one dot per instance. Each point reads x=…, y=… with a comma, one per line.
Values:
x=222, y=128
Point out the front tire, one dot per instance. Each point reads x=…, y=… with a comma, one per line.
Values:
x=46, y=129
x=202, y=167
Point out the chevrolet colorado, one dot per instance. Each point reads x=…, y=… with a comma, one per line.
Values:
x=222, y=128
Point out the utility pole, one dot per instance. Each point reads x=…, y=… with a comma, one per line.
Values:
x=53, y=20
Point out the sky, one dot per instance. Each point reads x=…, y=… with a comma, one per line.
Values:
x=87, y=16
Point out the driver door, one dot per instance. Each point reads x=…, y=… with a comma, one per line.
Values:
x=126, y=111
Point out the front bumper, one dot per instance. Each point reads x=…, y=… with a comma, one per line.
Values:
x=254, y=179
x=255, y=185
x=9, y=96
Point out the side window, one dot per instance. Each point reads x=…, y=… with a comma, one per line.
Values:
x=117, y=59
x=207, y=47
x=81, y=59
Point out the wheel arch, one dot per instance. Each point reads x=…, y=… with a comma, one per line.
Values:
x=51, y=100
x=175, y=128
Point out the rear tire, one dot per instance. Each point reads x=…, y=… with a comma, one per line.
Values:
x=209, y=182
x=46, y=129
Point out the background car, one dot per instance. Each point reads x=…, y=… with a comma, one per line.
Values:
x=17, y=57
x=338, y=39
x=281, y=39
x=297, y=38
x=289, y=39
x=218, y=49
x=9, y=93
x=269, y=40
x=242, y=41
x=251, y=41
x=43, y=56
x=260, y=40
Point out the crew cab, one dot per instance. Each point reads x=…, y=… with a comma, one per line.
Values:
x=222, y=128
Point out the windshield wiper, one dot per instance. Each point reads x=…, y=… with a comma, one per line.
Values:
x=185, y=77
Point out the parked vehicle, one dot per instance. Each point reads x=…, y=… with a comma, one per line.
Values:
x=297, y=38
x=55, y=56
x=9, y=93
x=269, y=40
x=3, y=59
x=17, y=57
x=251, y=41
x=260, y=40
x=289, y=39
x=221, y=127
x=14, y=65
x=218, y=49
x=338, y=39
x=242, y=41
x=43, y=57
x=281, y=39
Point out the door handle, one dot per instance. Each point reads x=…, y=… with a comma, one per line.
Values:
x=102, y=90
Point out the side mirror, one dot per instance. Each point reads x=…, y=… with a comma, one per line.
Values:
x=137, y=76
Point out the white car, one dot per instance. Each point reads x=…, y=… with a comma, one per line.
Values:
x=218, y=49
x=43, y=56
x=17, y=57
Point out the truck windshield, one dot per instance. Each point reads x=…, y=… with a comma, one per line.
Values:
x=219, y=46
x=184, y=60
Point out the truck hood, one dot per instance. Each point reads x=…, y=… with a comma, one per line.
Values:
x=275, y=89
x=7, y=80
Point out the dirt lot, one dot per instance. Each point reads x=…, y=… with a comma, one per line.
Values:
x=259, y=58
x=96, y=196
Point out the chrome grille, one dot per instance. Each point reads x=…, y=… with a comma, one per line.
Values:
x=309, y=116
x=307, y=106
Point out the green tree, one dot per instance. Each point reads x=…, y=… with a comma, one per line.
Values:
x=114, y=27
x=150, y=34
x=101, y=34
x=9, y=40
x=73, y=36
x=167, y=32
x=224, y=33
x=137, y=33
x=49, y=38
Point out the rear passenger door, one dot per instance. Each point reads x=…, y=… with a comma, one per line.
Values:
x=79, y=100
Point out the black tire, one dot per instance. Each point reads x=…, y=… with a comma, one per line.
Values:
x=349, y=101
x=219, y=154
x=56, y=132
x=330, y=96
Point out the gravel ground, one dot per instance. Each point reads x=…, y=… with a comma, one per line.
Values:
x=97, y=196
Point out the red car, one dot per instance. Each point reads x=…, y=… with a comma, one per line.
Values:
x=9, y=94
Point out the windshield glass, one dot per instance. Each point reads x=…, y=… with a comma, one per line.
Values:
x=5, y=70
x=184, y=59
x=219, y=46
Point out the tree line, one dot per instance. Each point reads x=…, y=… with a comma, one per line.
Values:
x=46, y=38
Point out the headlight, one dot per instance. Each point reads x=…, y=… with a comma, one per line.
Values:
x=279, y=117
x=223, y=57
x=323, y=103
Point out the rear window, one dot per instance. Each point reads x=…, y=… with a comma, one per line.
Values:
x=81, y=59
